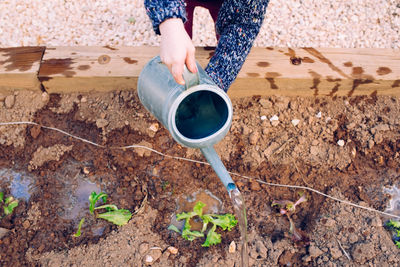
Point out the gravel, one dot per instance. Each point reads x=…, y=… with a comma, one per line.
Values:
x=288, y=23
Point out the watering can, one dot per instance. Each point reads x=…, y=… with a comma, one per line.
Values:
x=197, y=114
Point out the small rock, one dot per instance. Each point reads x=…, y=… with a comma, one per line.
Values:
x=380, y=127
x=263, y=118
x=142, y=151
x=335, y=253
x=143, y=248
x=330, y=222
x=83, y=99
x=315, y=252
x=265, y=103
x=295, y=122
x=378, y=138
x=255, y=186
x=315, y=142
x=351, y=126
x=340, y=142
x=274, y=118
x=371, y=143
x=9, y=101
x=253, y=138
x=353, y=238
x=154, y=127
x=377, y=222
x=148, y=260
x=274, y=123
x=100, y=123
x=26, y=224
x=172, y=250
x=261, y=249
x=319, y=114
x=232, y=247
x=86, y=170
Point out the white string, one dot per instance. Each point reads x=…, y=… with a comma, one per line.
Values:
x=205, y=163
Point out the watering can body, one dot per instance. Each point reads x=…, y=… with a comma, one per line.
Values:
x=197, y=115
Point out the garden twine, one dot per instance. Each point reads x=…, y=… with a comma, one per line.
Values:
x=203, y=163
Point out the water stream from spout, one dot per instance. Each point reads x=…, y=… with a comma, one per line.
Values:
x=240, y=210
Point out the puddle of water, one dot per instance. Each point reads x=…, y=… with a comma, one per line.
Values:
x=21, y=183
x=77, y=204
x=394, y=203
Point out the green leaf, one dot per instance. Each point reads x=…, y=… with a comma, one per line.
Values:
x=185, y=215
x=2, y=197
x=174, y=228
x=94, y=197
x=394, y=224
x=108, y=207
x=226, y=221
x=213, y=238
x=118, y=217
x=198, y=208
x=78, y=233
x=12, y=204
x=191, y=235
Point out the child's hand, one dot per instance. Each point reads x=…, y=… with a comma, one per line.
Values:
x=177, y=48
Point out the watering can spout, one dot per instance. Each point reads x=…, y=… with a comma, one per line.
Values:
x=212, y=157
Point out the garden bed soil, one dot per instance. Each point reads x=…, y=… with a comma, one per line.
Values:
x=61, y=171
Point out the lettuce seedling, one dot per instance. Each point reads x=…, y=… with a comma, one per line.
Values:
x=287, y=207
x=226, y=222
x=94, y=197
x=9, y=204
x=394, y=227
x=112, y=214
x=78, y=233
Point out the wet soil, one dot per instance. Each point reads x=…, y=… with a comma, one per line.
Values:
x=149, y=184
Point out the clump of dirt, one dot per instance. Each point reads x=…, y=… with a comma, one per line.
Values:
x=348, y=147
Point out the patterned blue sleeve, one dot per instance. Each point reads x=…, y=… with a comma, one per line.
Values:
x=160, y=10
x=238, y=24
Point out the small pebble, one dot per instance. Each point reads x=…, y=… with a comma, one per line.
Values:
x=9, y=101
x=340, y=142
x=26, y=224
x=173, y=250
x=154, y=127
x=274, y=118
x=232, y=247
x=319, y=115
x=101, y=123
x=295, y=122
x=274, y=123
x=148, y=260
x=263, y=117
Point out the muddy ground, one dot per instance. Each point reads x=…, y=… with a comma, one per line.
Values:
x=52, y=175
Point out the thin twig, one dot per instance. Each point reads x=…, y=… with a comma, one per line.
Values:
x=344, y=251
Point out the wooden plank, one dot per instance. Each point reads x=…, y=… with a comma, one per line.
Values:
x=267, y=71
x=19, y=68
x=66, y=69
x=319, y=72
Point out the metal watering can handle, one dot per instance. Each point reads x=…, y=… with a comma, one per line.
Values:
x=191, y=79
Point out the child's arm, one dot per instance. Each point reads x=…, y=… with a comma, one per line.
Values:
x=238, y=25
x=176, y=48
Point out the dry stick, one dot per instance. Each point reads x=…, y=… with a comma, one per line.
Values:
x=204, y=163
x=344, y=251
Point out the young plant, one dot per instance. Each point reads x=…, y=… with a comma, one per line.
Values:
x=226, y=222
x=112, y=213
x=9, y=204
x=287, y=207
x=394, y=227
